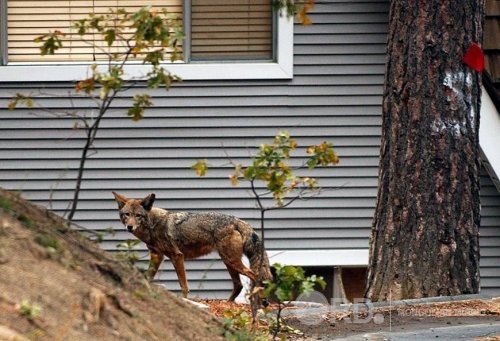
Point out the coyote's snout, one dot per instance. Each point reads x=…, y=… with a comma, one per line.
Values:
x=185, y=235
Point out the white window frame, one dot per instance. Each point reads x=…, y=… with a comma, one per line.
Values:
x=281, y=68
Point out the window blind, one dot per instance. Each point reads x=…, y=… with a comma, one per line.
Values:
x=231, y=29
x=30, y=19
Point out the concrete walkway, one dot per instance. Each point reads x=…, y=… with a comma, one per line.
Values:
x=452, y=333
x=466, y=331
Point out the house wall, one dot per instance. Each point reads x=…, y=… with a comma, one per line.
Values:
x=489, y=241
x=335, y=95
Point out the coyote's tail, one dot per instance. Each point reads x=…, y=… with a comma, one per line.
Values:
x=254, y=250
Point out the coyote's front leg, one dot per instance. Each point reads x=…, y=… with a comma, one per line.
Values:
x=178, y=261
x=154, y=264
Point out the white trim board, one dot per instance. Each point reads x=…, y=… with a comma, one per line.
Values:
x=489, y=136
x=320, y=257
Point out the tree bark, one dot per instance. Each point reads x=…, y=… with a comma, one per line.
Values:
x=425, y=239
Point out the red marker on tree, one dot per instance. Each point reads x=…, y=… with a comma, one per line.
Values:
x=474, y=57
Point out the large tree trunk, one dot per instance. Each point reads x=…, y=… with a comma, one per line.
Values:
x=425, y=239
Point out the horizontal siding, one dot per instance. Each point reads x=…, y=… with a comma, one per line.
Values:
x=490, y=236
x=196, y=122
x=335, y=95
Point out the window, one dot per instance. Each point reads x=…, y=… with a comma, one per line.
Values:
x=223, y=29
x=30, y=19
x=225, y=39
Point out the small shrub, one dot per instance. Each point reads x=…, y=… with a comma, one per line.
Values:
x=5, y=204
x=25, y=220
x=128, y=252
x=288, y=282
x=50, y=243
x=99, y=236
x=30, y=310
x=238, y=326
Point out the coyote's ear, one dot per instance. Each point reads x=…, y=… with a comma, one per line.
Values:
x=148, y=201
x=120, y=199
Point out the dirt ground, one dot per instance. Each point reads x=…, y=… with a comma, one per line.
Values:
x=57, y=285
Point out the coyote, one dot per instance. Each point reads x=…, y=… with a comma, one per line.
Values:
x=186, y=235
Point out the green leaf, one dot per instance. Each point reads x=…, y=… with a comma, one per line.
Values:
x=20, y=98
x=80, y=26
x=51, y=42
x=234, y=177
x=103, y=93
x=282, y=294
x=322, y=155
x=154, y=57
x=200, y=167
x=95, y=22
x=160, y=77
x=110, y=36
x=140, y=103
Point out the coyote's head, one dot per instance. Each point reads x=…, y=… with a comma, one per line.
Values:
x=134, y=212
